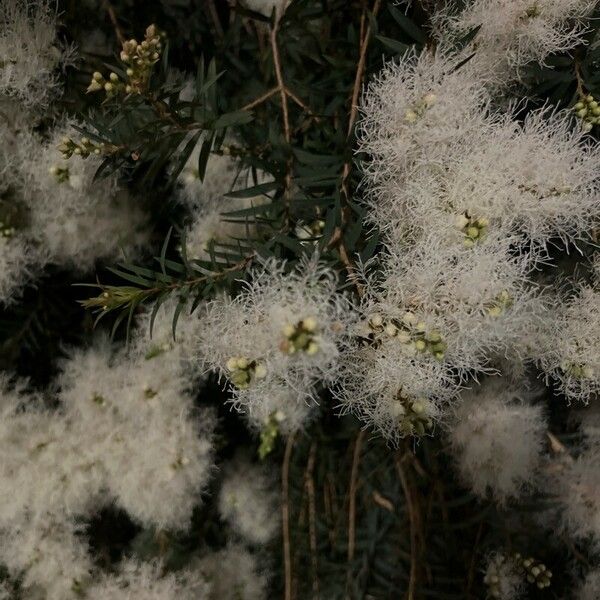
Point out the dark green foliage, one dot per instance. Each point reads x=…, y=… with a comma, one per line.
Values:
x=430, y=519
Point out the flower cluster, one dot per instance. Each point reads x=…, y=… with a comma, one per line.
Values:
x=277, y=340
x=468, y=197
x=138, y=59
x=52, y=209
x=124, y=431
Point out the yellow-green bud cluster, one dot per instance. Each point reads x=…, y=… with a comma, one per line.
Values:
x=500, y=304
x=474, y=229
x=157, y=350
x=412, y=415
x=300, y=337
x=242, y=371
x=541, y=194
x=139, y=60
x=536, y=572
x=6, y=231
x=312, y=230
x=180, y=462
x=61, y=174
x=269, y=434
x=412, y=332
x=533, y=11
x=98, y=399
x=149, y=393
x=578, y=370
x=84, y=148
x=417, y=110
x=588, y=110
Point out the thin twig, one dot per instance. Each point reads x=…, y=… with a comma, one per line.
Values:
x=312, y=521
x=579, y=77
x=261, y=99
x=360, y=70
x=337, y=239
x=413, y=517
x=285, y=515
x=471, y=576
x=280, y=82
x=215, y=17
x=112, y=15
x=352, y=506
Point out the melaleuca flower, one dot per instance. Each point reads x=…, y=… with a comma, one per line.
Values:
x=576, y=485
x=138, y=422
x=570, y=353
x=212, y=225
x=504, y=578
x=512, y=33
x=18, y=264
x=73, y=217
x=590, y=588
x=534, y=181
x=437, y=316
x=398, y=393
x=224, y=174
x=49, y=555
x=477, y=300
x=233, y=572
x=249, y=502
x=148, y=581
x=415, y=112
x=154, y=341
x=124, y=431
x=496, y=436
x=30, y=51
x=283, y=329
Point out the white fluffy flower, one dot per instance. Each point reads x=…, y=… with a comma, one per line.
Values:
x=29, y=50
x=233, y=573
x=224, y=174
x=50, y=555
x=146, y=581
x=497, y=439
x=590, y=589
x=76, y=219
x=138, y=421
x=536, y=180
x=283, y=330
x=125, y=431
x=249, y=502
x=212, y=224
x=576, y=484
x=415, y=112
x=513, y=33
x=503, y=579
x=571, y=353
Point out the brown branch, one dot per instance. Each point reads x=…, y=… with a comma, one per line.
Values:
x=285, y=515
x=312, y=521
x=360, y=70
x=352, y=506
x=414, y=518
x=579, y=77
x=261, y=99
x=279, y=76
x=112, y=15
x=471, y=576
x=337, y=239
x=215, y=17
